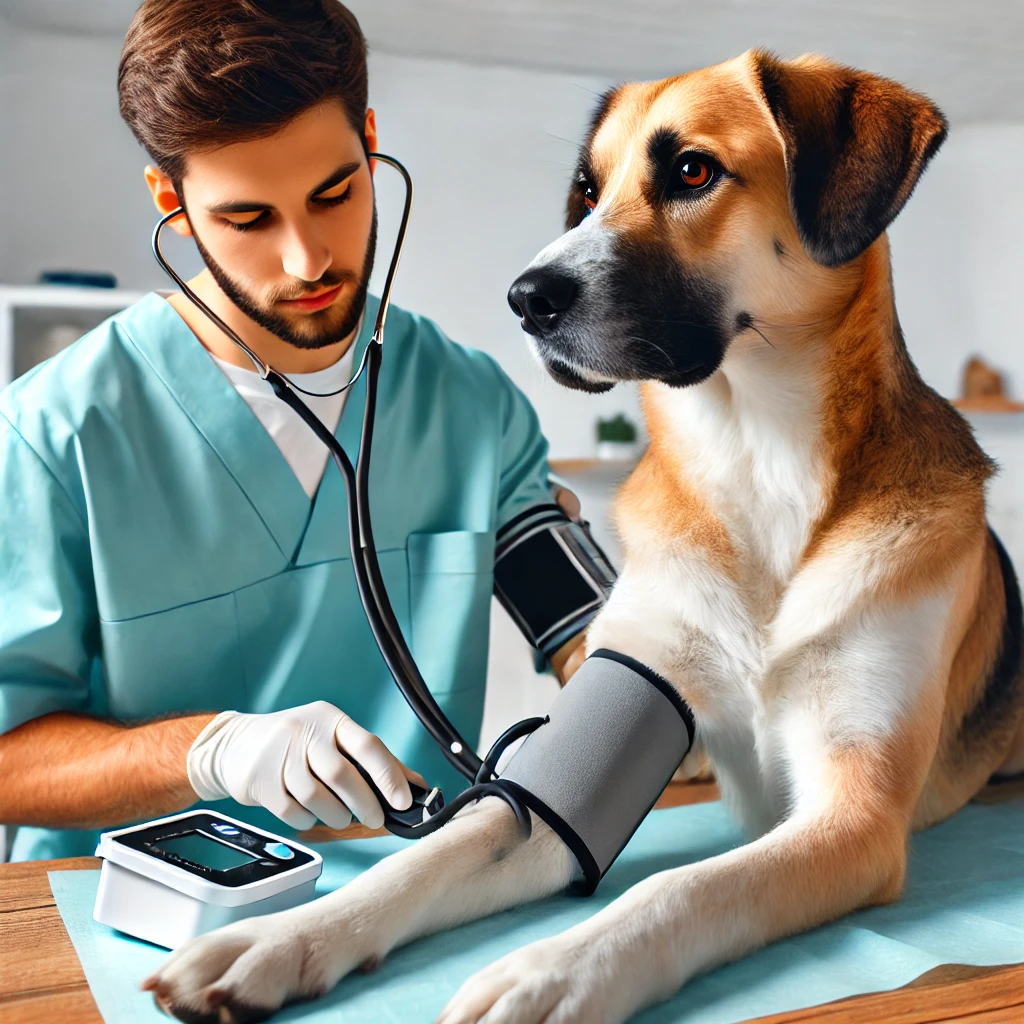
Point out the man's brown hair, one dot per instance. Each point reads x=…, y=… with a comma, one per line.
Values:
x=197, y=74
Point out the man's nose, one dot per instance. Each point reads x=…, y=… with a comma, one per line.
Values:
x=305, y=256
x=541, y=297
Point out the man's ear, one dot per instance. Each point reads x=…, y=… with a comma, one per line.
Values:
x=855, y=146
x=166, y=199
x=370, y=132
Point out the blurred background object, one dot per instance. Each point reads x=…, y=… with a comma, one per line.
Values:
x=486, y=104
x=78, y=278
x=983, y=390
x=617, y=438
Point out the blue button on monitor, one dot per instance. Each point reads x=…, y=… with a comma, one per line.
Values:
x=225, y=830
x=279, y=850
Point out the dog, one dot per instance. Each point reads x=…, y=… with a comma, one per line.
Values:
x=807, y=558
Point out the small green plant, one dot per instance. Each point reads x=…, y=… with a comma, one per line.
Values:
x=618, y=428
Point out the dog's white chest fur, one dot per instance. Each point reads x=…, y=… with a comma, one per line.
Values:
x=743, y=644
x=751, y=438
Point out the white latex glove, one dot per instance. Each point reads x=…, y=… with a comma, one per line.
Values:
x=289, y=762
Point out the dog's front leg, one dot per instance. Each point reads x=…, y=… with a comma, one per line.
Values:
x=851, y=725
x=679, y=923
x=474, y=866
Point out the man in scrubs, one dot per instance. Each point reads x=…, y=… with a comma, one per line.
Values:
x=179, y=620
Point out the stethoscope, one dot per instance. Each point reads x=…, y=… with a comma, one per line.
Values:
x=428, y=811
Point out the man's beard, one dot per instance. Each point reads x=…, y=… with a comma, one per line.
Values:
x=328, y=334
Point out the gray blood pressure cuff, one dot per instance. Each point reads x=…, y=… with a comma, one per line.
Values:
x=612, y=740
x=550, y=575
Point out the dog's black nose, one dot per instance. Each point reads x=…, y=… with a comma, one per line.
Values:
x=541, y=297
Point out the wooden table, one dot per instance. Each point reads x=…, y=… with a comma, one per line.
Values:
x=41, y=979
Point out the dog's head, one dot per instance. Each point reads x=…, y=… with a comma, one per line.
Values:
x=705, y=204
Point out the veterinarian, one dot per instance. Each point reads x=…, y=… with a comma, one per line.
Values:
x=179, y=621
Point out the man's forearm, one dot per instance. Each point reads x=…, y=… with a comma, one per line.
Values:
x=70, y=771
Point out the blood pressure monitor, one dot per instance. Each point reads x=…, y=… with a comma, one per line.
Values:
x=169, y=880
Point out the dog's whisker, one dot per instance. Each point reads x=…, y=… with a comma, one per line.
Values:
x=796, y=324
x=757, y=330
x=559, y=138
x=678, y=323
x=651, y=344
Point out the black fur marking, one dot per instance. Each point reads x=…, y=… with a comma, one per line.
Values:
x=663, y=147
x=669, y=325
x=769, y=76
x=604, y=104
x=1004, y=688
x=191, y=1016
x=744, y=321
x=780, y=249
x=372, y=964
x=575, y=207
x=568, y=377
x=231, y=1010
x=856, y=145
x=639, y=317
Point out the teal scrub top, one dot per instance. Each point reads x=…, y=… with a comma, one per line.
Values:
x=158, y=555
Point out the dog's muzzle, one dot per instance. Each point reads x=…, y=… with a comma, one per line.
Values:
x=614, y=737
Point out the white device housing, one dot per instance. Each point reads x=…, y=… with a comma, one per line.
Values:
x=167, y=905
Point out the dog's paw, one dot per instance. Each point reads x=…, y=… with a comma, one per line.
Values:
x=240, y=973
x=555, y=981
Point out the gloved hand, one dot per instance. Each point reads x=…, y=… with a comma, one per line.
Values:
x=289, y=762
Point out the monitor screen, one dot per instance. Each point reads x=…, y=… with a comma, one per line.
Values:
x=201, y=849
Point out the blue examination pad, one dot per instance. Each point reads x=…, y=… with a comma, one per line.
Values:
x=964, y=903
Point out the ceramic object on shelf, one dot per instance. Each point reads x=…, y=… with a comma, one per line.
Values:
x=983, y=390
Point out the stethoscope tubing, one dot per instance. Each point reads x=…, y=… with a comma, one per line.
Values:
x=373, y=594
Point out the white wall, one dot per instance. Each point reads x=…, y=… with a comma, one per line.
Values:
x=75, y=197
x=6, y=154
x=958, y=268
x=491, y=151
x=958, y=257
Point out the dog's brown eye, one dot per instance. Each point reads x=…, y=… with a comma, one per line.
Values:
x=692, y=172
x=695, y=173
x=590, y=196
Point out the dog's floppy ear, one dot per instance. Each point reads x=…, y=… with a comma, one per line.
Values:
x=855, y=145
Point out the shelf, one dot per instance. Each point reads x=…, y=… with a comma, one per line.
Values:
x=53, y=296
x=29, y=315
x=997, y=405
x=566, y=467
